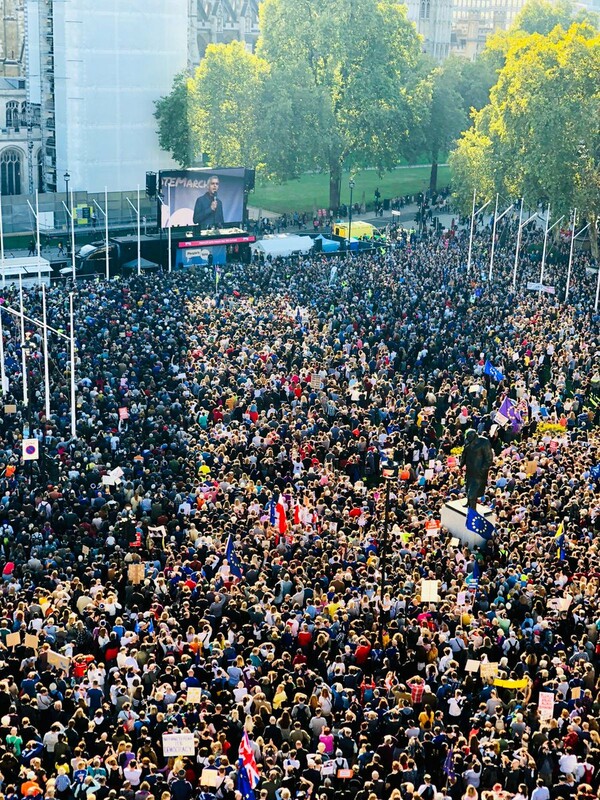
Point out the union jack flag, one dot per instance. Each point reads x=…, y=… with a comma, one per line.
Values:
x=248, y=760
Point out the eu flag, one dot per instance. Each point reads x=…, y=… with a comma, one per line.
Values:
x=479, y=525
x=235, y=565
x=492, y=371
x=243, y=784
x=449, y=765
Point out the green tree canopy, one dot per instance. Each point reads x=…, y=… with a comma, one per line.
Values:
x=345, y=71
x=173, y=113
x=215, y=111
x=539, y=136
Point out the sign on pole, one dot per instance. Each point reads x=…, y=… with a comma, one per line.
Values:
x=31, y=450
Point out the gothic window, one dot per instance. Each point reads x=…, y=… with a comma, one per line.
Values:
x=12, y=114
x=10, y=171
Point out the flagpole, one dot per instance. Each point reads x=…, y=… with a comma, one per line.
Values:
x=597, y=291
x=139, y=233
x=543, y=264
x=518, y=246
x=73, y=240
x=37, y=233
x=23, y=356
x=471, y=233
x=46, y=367
x=106, y=233
x=571, y=254
x=169, y=228
x=1, y=239
x=72, y=336
x=2, y=366
x=493, y=238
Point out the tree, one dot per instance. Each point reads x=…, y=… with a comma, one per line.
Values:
x=443, y=100
x=215, y=111
x=227, y=87
x=345, y=69
x=539, y=136
x=542, y=16
x=174, y=121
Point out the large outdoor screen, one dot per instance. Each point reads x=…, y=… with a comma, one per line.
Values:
x=207, y=198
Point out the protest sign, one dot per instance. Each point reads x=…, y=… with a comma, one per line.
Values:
x=178, y=744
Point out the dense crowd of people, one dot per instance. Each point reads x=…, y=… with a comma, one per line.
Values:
x=205, y=556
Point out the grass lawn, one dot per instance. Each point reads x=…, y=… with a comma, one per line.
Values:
x=311, y=191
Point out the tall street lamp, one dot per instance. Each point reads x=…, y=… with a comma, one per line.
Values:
x=351, y=185
x=389, y=473
x=67, y=178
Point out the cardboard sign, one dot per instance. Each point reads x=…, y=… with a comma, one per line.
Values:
x=546, y=705
x=194, y=694
x=157, y=531
x=575, y=692
x=472, y=665
x=454, y=542
x=13, y=639
x=560, y=603
x=56, y=660
x=136, y=573
x=31, y=640
x=316, y=382
x=209, y=777
x=345, y=774
x=461, y=599
x=429, y=591
x=10, y=409
x=432, y=526
x=107, y=480
x=124, y=413
x=489, y=670
x=531, y=467
x=85, y=549
x=178, y=744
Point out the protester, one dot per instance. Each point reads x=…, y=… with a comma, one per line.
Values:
x=205, y=556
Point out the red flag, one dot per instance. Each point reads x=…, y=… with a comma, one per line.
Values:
x=280, y=509
x=296, y=514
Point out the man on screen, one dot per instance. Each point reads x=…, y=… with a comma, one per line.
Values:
x=208, y=211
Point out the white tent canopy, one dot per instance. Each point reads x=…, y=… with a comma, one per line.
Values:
x=31, y=270
x=283, y=245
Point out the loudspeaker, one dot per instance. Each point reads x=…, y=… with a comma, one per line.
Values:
x=386, y=204
x=151, y=184
x=318, y=246
x=249, y=176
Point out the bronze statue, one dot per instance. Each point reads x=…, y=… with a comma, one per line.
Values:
x=477, y=457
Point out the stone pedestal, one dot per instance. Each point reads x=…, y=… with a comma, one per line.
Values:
x=454, y=517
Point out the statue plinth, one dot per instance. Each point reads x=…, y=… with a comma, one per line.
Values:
x=454, y=518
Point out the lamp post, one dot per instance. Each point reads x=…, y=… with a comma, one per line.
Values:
x=351, y=185
x=67, y=178
x=389, y=473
